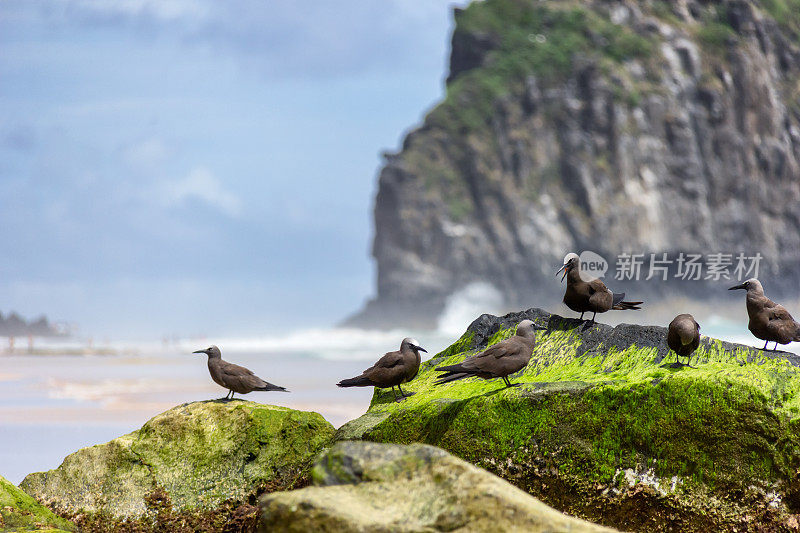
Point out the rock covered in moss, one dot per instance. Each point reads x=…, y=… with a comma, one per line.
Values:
x=362, y=486
x=20, y=512
x=199, y=454
x=604, y=427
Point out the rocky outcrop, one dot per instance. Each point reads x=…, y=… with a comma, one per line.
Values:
x=194, y=456
x=20, y=512
x=364, y=486
x=619, y=127
x=605, y=427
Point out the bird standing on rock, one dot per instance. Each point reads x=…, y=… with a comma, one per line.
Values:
x=769, y=321
x=235, y=378
x=497, y=361
x=582, y=296
x=391, y=370
x=683, y=336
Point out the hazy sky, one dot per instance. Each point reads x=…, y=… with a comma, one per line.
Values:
x=197, y=166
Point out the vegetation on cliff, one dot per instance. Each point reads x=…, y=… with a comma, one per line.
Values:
x=638, y=126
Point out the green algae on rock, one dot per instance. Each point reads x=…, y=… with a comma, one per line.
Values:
x=602, y=427
x=20, y=512
x=362, y=486
x=200, y=454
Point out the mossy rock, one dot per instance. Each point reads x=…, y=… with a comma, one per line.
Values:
x=606, y=427
x=363, y=486
x=198, y=455
x=20, y=512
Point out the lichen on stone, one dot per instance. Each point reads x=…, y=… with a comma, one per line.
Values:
x=200, y=454
x=20, y=512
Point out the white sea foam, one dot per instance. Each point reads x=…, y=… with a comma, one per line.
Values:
x=336, y=343
x=465, y=305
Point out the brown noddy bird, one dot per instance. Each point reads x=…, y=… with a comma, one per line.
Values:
x=582, y=296
x=683, y=336
x=497, y=361
x=391, y=370
x=768, y=321
x=235, y=378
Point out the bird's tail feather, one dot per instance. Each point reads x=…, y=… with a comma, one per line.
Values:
x=270, y=386
x=451, y=376
x=623, y=306
x=358, y=381
x=451, y=368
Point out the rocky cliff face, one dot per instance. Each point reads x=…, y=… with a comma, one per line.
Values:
x=638, y=126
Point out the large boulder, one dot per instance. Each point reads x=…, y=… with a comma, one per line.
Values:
x=20, y=512
x=606, y=427
x=362, y=486
x=196, y=455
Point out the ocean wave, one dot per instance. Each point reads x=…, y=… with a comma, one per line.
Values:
x=335, y=343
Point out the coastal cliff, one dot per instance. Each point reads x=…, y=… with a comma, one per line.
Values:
x=619, y=127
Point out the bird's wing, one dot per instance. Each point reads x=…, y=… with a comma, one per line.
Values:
x=468, y=365
x=389, y=360
x=778, y=312
x=486, y=361
x=240, y=378
x=496, y=351
x=597, y=286
x=232, y=370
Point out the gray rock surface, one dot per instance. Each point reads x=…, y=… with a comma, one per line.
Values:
x=363, y=486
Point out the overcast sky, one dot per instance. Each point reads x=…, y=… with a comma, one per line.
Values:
x=196, y=166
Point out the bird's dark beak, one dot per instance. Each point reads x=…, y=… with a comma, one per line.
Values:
x=421, y=349
x=742, y=286
x=535, y=326
x=564, y=268
x=200, y=351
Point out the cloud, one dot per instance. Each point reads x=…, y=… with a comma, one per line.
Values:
x=121, y=11
x=147, y=153
x=321, y=40
x=200, y=185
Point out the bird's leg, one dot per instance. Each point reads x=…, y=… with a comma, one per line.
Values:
x=508, y=383
x=405, y=394
x=231, y=394
x=402, y=394
x=765, y=346
x=582, y=315
x=594, y=314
